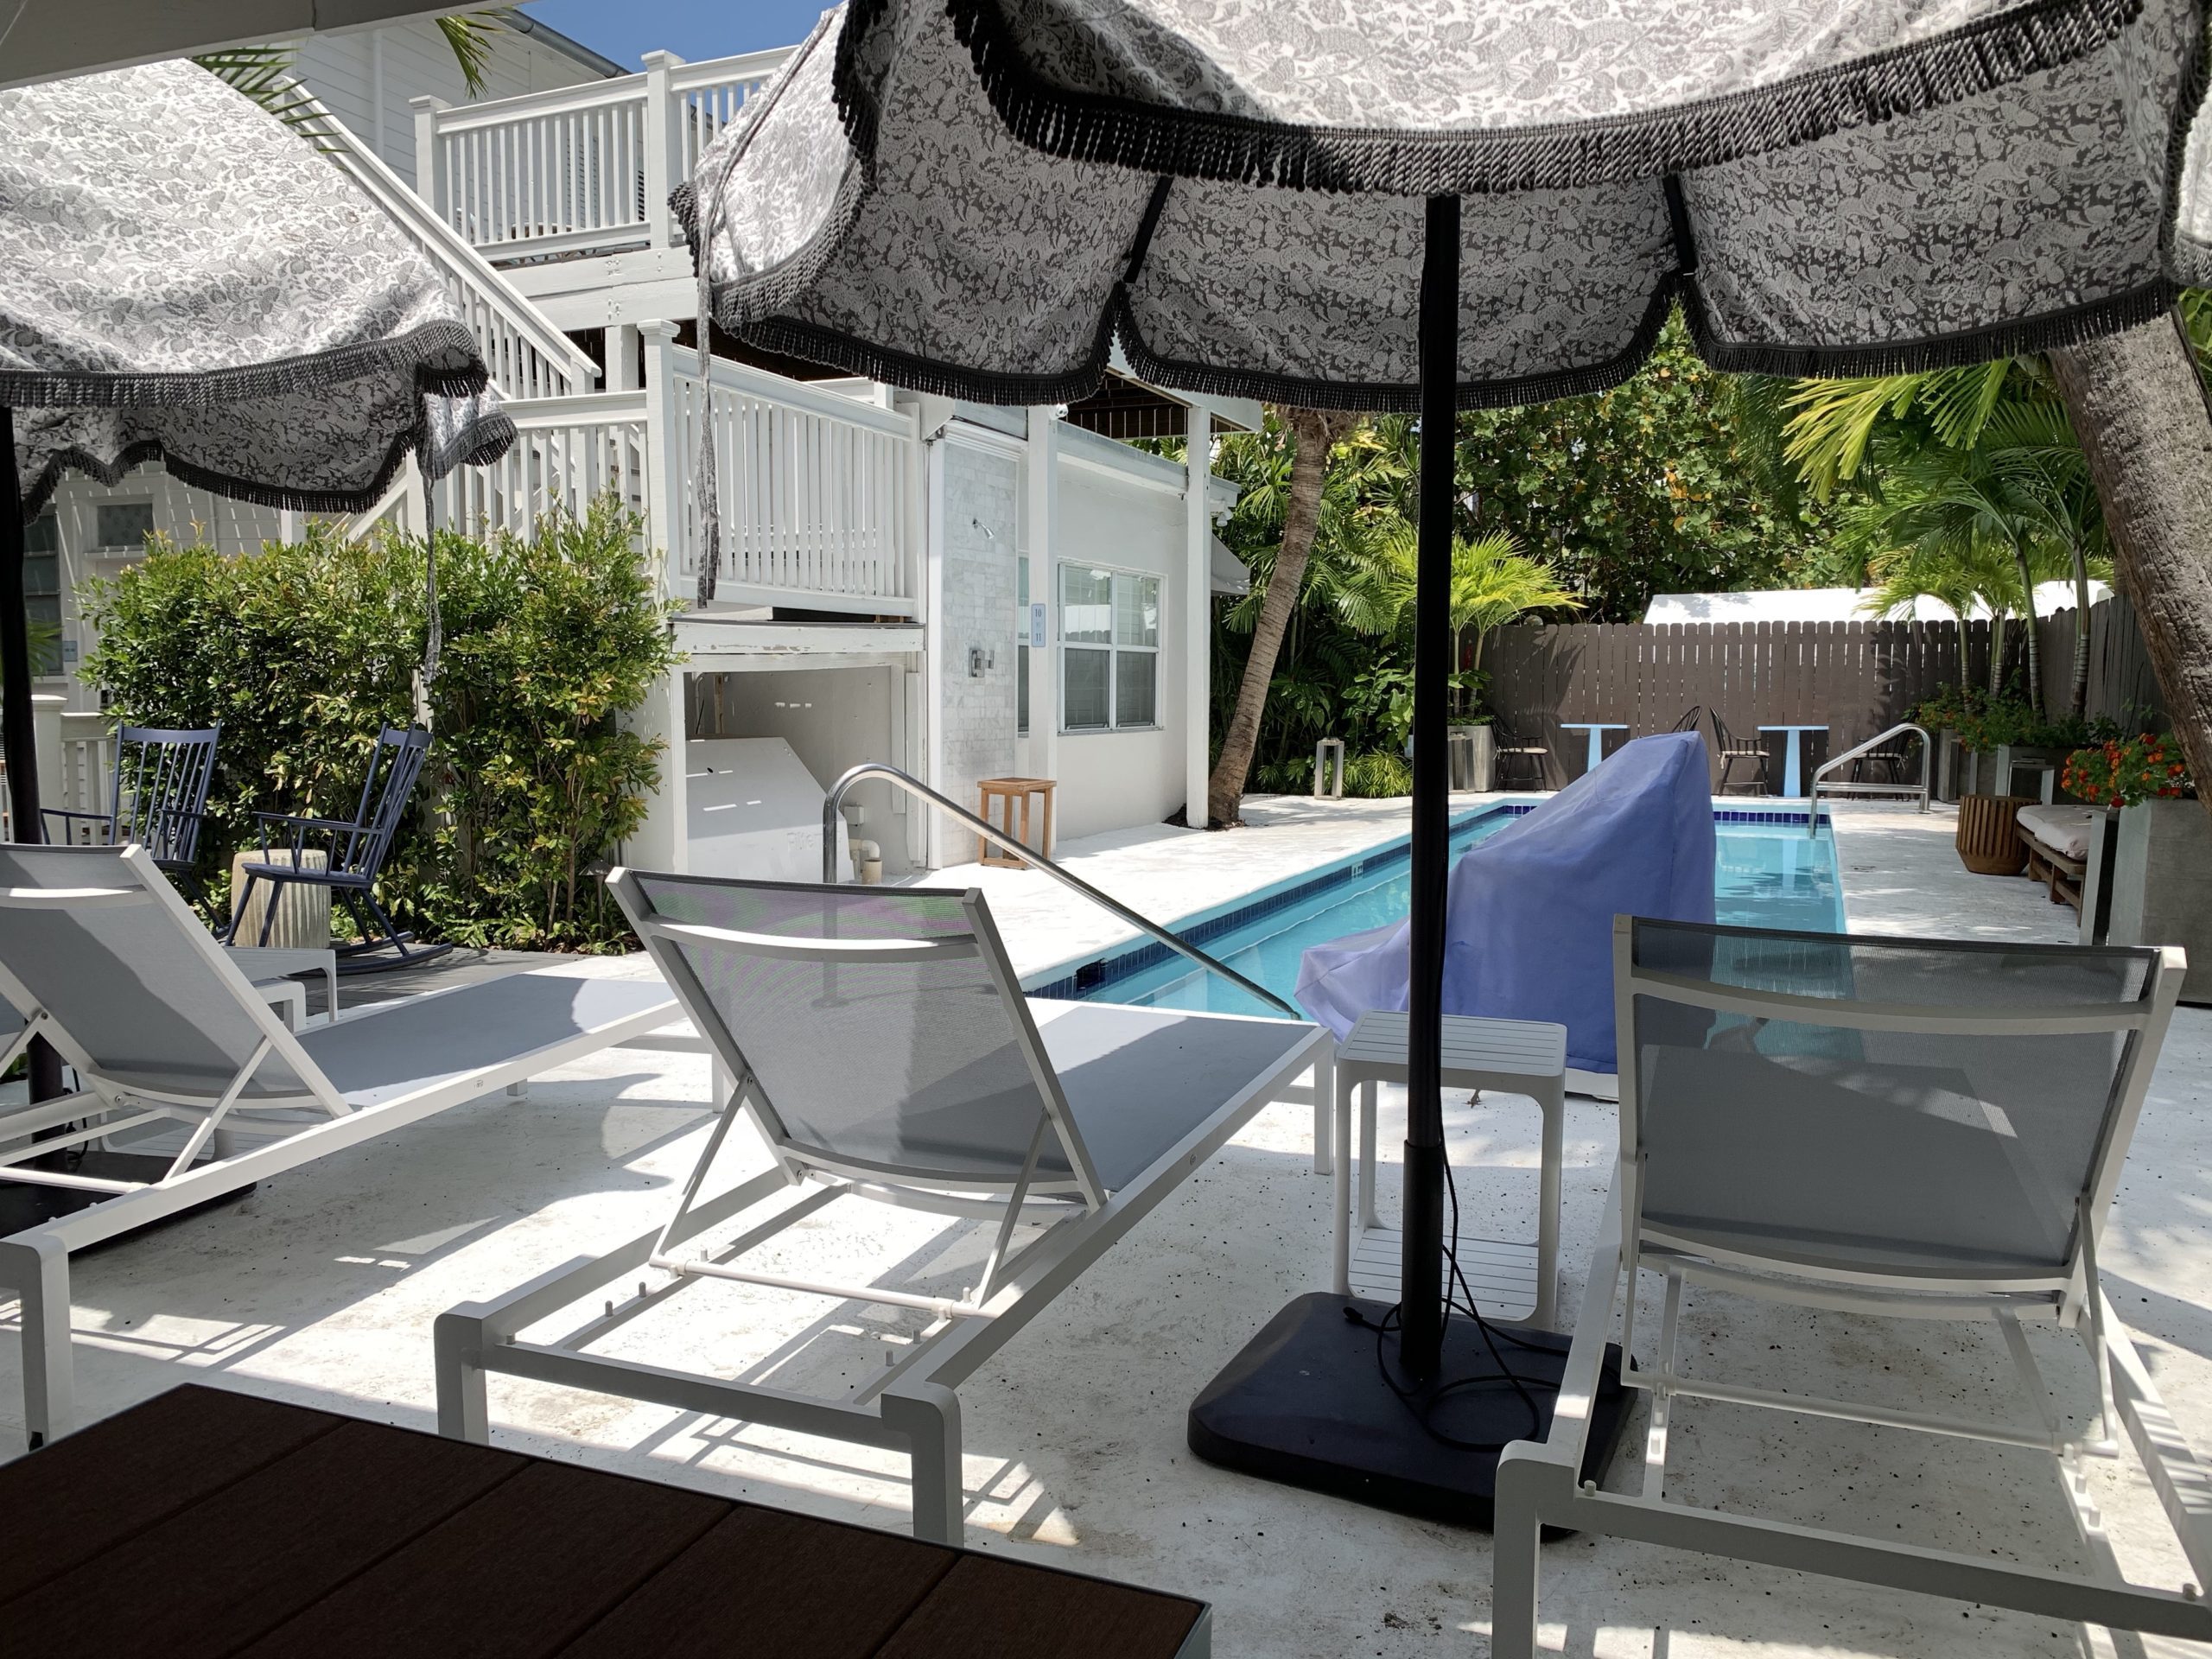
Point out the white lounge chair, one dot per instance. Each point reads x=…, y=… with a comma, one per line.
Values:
x=1891, y=1127
x=107, y=964
x=882, y=1046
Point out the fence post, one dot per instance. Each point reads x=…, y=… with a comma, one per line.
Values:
x=665, y=163
x=666, y=526
x=426, y=152
x=46, y=734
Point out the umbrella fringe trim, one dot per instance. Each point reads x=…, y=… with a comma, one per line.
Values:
x=2052, y=331
x=489, y=439
x=428, y=350
x=794, y=338
x=1094, y=127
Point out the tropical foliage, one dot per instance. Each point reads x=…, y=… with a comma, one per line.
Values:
x=268, y=74
x=304, y=651
x=2128, y=772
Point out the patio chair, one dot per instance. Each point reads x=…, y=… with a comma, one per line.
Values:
x=158, y=796
x=1733, y=749
x=1515, y=752
x=1898, y=1128
x=1692, y=720
x=882, y=1049
x=108, y=964
x=353, y=851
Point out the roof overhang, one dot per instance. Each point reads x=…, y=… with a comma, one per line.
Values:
x=53, y=38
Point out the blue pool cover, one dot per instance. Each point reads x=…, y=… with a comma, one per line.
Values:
x=1529, y=933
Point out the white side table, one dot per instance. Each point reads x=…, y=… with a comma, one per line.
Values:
x=1513, y=1283
x=274, y=972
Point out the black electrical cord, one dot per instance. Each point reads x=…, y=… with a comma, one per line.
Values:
x=1423, y=1404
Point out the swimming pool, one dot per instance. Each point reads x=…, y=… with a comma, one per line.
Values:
x=1768, y=872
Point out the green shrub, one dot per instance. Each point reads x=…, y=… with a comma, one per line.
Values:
x=1292, y=777
x=1378, y=774
x=303, y=651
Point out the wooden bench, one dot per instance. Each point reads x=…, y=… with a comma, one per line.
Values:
x=207, y=1523
x=2058, y=840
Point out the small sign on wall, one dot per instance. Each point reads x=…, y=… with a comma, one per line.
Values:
x=1037, y=627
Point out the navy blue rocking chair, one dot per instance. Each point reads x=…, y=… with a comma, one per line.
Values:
x=157, y=797
x=354, y=853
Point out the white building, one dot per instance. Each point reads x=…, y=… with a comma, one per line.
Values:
x=961, y=592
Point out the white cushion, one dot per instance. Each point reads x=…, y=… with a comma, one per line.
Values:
x=2066, y=831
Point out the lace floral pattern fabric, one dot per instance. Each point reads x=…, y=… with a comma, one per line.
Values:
x=184, y=279
x=949, y=248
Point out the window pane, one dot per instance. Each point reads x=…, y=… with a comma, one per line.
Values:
x=124, y=523
x=42, y=535
x=1135, y=687
x=1086, y=689
x=1136, y=610
x=1086, y=606
x=1021, y=689
x=42, y=574
x=1021, y=589
x=1022, y=646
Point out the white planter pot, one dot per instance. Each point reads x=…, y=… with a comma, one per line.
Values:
x=2161, y=884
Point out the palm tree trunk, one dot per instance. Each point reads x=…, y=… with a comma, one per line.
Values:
x=2028, y=619
x=2077, y=702
x=2139, y=411
x=1315, y=433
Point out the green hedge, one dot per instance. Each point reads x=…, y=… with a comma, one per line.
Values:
x=304, y=650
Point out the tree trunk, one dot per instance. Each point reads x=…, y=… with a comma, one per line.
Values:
x=2034, y=665
x=2140, y=412
x=2077, y=701
x=1315, y=432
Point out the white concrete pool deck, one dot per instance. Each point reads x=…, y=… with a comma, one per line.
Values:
x=321, y=1286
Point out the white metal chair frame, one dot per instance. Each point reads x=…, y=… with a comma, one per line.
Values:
x=911, y=1405
x=1536, y=1482
x=316, y=1123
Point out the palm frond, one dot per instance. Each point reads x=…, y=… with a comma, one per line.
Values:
x=469, y=37
x=267, y=75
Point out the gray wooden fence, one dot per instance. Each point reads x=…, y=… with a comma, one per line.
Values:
x=1855, y=678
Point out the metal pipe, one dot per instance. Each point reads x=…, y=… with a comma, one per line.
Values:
x=1421, y=1268
x=1813, y=790
x=983, y=827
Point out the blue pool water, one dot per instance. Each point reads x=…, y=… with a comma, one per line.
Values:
x=1768, y=873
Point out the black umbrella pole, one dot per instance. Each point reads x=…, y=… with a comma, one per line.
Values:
x=18, y=740
x=1420, y=1268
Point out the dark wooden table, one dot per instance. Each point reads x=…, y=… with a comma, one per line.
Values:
x=206, y=1523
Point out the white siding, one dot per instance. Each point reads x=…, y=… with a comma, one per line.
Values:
x=187, y=515
x=340, y=69
x=1115, y=780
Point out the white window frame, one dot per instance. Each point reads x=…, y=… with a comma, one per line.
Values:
x=1113, y=650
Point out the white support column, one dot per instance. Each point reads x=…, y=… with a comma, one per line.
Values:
x=660, y=842
x=1197, y=613
x=426, y=149
x=663, y=146
x=664, y=459
x=935, y=660
x=378, y=144
x=1042, y=535
x=621, y=349
x=46, y=709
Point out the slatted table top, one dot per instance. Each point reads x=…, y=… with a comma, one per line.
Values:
x=1518, y=1048
x=207, y=1523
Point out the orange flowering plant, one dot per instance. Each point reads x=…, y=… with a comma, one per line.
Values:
x=2124, y=772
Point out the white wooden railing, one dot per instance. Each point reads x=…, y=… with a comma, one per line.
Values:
x=819, y=488
x=579, y=169
x=76, y=761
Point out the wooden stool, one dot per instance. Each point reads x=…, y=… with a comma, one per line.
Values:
x=1005, y=791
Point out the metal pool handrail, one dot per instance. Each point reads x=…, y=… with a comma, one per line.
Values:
x=1813, y=795
x=983, y=827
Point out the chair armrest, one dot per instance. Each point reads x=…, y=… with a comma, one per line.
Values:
x=297, y=822
x=64, y=812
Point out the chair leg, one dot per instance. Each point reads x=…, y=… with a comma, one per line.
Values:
x=1515, y=1568
x=237, y=910
x=1324, y=1106
x=37, y=1265
x=268, y=910
x=928, y=1415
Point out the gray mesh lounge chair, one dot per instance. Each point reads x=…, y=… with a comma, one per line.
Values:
x=1903, y=1128
x=882, y=1048
x=107, y=964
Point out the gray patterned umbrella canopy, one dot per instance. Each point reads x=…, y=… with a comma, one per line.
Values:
x=972, y=199
x=1402, y=204
x=183, y=279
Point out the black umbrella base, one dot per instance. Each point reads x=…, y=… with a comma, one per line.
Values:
x=1305, y=1404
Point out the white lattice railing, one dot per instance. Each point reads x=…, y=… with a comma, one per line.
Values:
x=818, y=489
x=579, y=169
x=76, y=761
